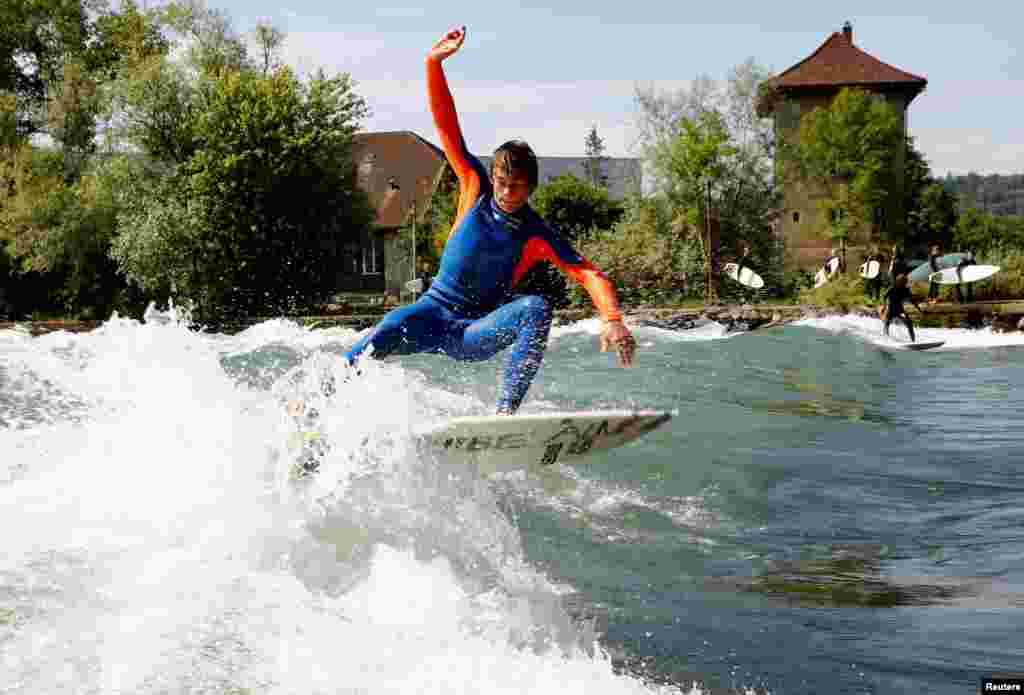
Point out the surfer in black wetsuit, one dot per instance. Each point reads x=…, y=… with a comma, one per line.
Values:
x=967, y=260
x=894, y=299
x=898, y=265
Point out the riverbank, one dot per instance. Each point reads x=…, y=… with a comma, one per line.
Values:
x=1001, y=315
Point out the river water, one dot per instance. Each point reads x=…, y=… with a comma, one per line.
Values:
x=824, y=514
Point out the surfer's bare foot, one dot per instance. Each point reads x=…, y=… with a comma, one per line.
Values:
x=296, y=407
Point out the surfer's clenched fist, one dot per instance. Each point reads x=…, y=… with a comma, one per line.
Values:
x=448, y=44
x=615, y=334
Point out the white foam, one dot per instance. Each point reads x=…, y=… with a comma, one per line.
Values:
x=870, y=330
x=152, y=544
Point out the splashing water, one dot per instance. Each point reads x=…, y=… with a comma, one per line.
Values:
x=154, y=543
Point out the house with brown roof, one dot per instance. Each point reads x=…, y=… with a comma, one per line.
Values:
x=400, y=171
x=812, y=83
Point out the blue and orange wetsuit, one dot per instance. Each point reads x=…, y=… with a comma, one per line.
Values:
x=468, y=313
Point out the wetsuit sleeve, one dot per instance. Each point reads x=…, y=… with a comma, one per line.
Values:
x=446, y=120
x=552, y=247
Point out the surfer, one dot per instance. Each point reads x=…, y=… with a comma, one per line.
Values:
x=894, y=299
x=967, y=260
x=898, y=264
x=468, y=313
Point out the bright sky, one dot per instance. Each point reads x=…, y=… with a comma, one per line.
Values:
x=546, y=75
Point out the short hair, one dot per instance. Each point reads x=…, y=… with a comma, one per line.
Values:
x=516, y=156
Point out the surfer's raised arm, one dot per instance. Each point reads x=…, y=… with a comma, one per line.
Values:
x=446, y=120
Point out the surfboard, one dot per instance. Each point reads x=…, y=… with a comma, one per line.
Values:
x=746, y=277
x=821, y=277
x=922, y=271
x=507, y=442
x=415, y=285
x=500, y=442
x=969, y=273
x=869, y=270
x=922, y=346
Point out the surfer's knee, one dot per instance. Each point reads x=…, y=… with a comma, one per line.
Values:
x=537, y=309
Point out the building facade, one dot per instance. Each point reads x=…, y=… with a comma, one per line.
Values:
x=813, y=83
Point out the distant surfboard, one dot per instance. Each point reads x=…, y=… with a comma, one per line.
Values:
x=821, y=277
x=921, y=272
x=969, y=273
x=746, y=277
x=869, y=270
x=922, y=346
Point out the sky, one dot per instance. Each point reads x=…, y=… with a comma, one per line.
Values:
x=547, y=75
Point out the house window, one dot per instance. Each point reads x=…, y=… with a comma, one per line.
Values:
x=796, y=216
x=876, y=216
x=373, y=255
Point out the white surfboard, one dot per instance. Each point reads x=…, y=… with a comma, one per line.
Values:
x=415, y=285
x=508, y=442
x=821, y=277
x=869, y=270
x=969, y=273
x=746, y=277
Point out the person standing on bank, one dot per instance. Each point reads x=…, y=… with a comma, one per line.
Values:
x=933, y=263
x=967, y=260
x=873, y=286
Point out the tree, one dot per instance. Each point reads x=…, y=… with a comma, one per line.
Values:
x=594, y=147
x=849, y=150
x=714, y=124
x=694, y=164
x=269, y=40
x=255, y=219
x=575, y=207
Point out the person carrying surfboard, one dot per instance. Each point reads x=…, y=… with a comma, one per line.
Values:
x=468, y=313
x=894, y=299
x=967, y=260
x=933, y=262
x=873, y=285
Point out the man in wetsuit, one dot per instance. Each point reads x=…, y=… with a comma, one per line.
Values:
x=894, y=298
x=898, y=264
x=468, y=312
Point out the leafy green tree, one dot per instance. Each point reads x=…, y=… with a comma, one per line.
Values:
x=706, y=144
x=269, y=40
x=254, y=221
x=694, y=165
x=575, y=206
x=646, y=255
x=849, y=150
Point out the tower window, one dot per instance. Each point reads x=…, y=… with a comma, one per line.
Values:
x=796, y=216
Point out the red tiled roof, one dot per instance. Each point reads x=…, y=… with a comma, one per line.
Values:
x=839, y=63
x=405, y=158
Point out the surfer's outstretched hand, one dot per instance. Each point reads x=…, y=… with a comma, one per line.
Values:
x=615, y=334
x=448, y=44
